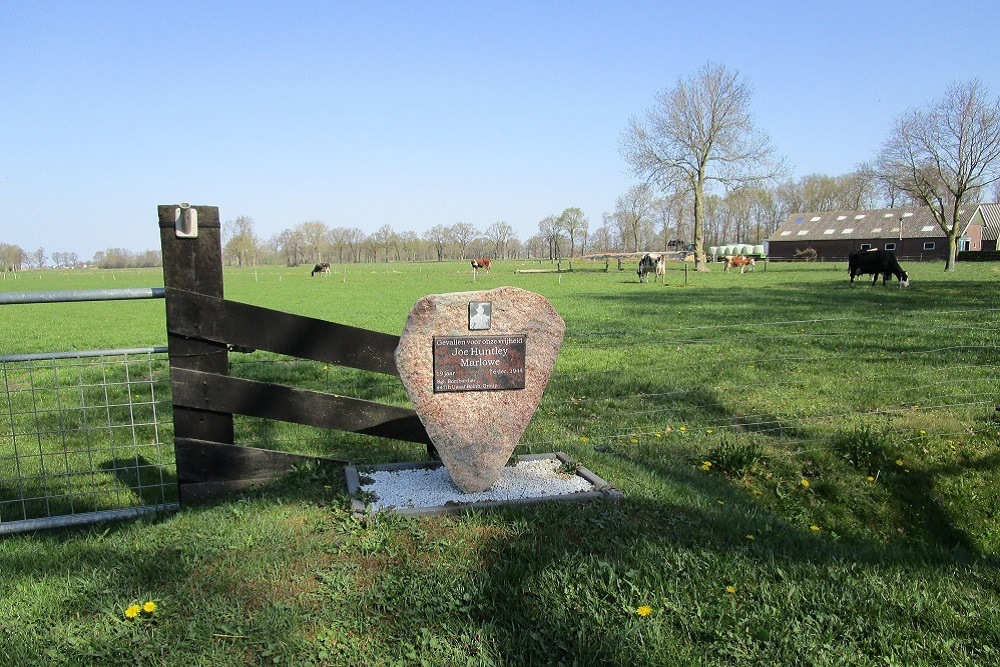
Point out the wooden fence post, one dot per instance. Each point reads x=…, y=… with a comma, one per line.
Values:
x=194, y=264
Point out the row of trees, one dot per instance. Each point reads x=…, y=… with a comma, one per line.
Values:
x=699, y=138
x=708, y=176
x=640, y=221
x=15, y=258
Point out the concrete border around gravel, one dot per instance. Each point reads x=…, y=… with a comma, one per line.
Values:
x=600, y=489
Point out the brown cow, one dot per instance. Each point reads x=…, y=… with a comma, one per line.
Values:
x=480, y=263
x=743, y=262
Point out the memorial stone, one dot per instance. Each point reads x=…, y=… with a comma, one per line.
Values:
x=475, y=365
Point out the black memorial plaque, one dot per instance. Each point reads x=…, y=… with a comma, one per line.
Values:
x=478, y=363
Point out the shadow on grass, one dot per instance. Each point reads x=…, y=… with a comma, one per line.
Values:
x=152, y=483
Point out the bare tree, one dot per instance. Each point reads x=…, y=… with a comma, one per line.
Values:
x=355, y=239
x=766, y=215
x=241, y=244
x=337, y=239
x=662, y=213
x=534, y=247
x=551, y=232
x=945, y=154
x=385, y=237
x=438, y=236
x=859, y=190
x=499, y=234
x=409, y=243
x=289, y=243
x=698, y=134
x=463, y=233
x=575, y=224
x=602, y=239
x=12, y=257
x=634, y=209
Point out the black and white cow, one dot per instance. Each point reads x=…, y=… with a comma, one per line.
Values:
x=322, y=267
x=876, y=262
x=655, y=264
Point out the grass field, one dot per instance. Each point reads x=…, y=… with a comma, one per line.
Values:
x=808, y=471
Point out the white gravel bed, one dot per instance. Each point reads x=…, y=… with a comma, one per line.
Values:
x=422, y=487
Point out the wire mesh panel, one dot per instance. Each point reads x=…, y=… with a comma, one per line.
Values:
x=85, y=436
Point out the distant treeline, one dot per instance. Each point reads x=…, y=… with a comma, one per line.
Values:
x=16, y=258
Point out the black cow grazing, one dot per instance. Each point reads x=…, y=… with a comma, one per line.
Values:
x=655, y=264
x=876, y=263
x=322, y=267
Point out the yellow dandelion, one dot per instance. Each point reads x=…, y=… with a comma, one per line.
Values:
x=684, y=428
x=149, y=607
x=805, y=483
x=709, y=431
x=659, y=435
x=923, y=432
x=814, y=528
x=583, y=438
x=916, y=407
x=707, y=464
x=730, y=589
x=644, y=610
x=325, y=367
x=751, y=538
x=634, y=441
x=870, y=478
x=899, y=462
x=954, y=447
x=132, y=611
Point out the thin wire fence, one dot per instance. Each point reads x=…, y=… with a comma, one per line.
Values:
x=926, y=382
x=85, y=436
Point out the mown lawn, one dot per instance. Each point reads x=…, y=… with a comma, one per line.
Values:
x=808, y=471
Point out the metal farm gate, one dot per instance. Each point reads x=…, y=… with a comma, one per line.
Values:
x=85, y=436
x=92, y=436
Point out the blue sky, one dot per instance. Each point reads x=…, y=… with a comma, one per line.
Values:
x=415, y=114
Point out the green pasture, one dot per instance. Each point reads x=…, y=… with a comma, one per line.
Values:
x=808, y=470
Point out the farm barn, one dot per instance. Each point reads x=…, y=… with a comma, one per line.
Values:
x=910, y=232
x=987, y=216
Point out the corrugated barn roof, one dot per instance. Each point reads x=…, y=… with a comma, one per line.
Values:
x=991, y=221
x=913, y=222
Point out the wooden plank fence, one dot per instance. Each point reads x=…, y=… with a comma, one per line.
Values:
x=202, y=326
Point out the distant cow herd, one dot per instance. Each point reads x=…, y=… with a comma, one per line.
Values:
x=875, y=262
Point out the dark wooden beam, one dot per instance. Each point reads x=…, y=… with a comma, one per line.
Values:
x=221, y=393
x=215, y=319
x=208, y=470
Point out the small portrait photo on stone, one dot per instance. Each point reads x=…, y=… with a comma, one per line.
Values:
x=480, y=314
